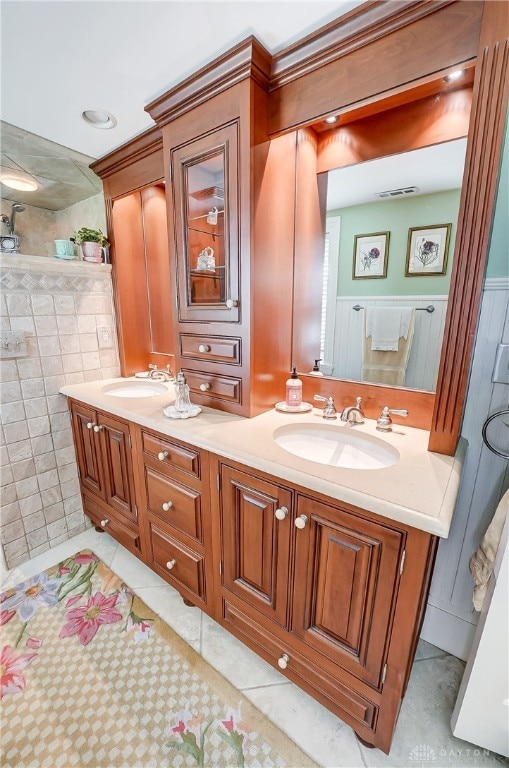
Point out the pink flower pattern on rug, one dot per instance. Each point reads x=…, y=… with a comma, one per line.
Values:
x=85, y=620
x=11, y=679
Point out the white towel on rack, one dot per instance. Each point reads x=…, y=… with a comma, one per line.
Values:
x=387, y=325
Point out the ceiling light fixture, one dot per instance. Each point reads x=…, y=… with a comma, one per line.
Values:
x=331, y=119
x=20, y=182
x=99, y=118
x=452, y=76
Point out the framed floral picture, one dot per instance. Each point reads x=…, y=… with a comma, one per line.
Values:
x=370, y=254
x=427, y=250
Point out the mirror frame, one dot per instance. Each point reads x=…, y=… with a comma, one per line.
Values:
x=330, y=72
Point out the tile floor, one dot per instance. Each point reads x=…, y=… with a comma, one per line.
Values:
x=423, y=737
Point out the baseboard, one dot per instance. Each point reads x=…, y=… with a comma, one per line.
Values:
x=448, y=632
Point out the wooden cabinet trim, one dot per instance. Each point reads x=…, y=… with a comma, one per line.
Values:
x=247, y=59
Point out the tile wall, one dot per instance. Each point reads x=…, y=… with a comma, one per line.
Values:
x=59, y=307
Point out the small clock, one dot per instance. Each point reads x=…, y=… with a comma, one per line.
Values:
x=9, y=243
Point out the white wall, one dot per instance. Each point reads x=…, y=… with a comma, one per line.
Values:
x=450, y=619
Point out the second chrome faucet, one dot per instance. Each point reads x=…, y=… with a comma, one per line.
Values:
x=353, y=414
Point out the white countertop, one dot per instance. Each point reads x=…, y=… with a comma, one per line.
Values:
x=419, y=490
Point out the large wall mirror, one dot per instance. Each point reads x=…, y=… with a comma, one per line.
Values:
x=388, y=189
x=388, y=253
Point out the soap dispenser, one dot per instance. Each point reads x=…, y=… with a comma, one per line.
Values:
x=315, y=371
x=293, y=390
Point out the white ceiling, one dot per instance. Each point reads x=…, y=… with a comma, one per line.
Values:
x=60, y=58
x=431, y=169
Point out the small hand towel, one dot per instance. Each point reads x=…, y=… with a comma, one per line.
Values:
x=386, y=325
x=482, y=561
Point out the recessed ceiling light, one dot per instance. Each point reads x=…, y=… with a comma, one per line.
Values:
x=21, y=182
x=453, y=76
x=331, y=119
x=99, y=118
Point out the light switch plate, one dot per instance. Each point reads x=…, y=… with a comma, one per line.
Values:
x=501, y=367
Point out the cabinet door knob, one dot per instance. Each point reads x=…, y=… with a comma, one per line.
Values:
x=167, y=505
x=282, y=662
x=90, y=425
x=204, y=348
x=205, y=387
x=162, y=455
x=230, y=303
x=171, y=564
x=97, y=427
x=281, y=513
x=105, y=522
x=300, y=522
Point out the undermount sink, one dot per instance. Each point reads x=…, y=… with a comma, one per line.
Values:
x=134, y=389
x=336, y=446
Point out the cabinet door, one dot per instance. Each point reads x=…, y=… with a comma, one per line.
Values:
x=116, y=456
x=88, y=456
x=205, y=182
x=255, y=543
x=346, y=579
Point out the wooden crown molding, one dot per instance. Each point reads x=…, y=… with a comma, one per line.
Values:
x=136, y=149
x=353, y=30
x=247, y=59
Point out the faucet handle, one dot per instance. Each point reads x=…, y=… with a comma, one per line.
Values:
x=329, y=412
x=384, y=422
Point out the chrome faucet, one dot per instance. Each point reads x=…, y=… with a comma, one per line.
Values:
x=329, y=412
x=384, y=422
x=353, y=414
x=159, y=374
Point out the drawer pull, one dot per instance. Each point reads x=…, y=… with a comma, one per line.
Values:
x=90, y=425
x=282, y=662
x=281, y=513
x=300, y=522
x=171, y=564
x=167, y=505
x=204, y=348
x=163, y=455
x=230, y=303
x=205, y=387
x=97, y=427
x=104, y=523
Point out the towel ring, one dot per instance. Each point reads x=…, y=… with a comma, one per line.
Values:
x=485, y=438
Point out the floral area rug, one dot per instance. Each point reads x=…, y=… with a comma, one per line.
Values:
x=90, y=676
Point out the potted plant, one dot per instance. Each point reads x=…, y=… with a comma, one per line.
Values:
x=92, y=241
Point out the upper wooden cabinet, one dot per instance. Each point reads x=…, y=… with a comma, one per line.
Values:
x=136, y=212
x=204, y=174
x=230, y=233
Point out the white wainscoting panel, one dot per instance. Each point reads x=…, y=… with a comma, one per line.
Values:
x=424, y=358
x=485, y=478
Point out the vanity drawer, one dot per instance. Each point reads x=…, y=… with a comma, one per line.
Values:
x=217, y=349
x=170, y=455
x=177, y=563
x=123, y=533
x=175, y=504
x=218, y=387
x=348, y=704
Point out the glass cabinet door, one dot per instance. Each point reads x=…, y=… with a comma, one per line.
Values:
x=206, y=227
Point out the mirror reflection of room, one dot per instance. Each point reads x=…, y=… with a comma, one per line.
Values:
x=393, y=194
x=389, y=330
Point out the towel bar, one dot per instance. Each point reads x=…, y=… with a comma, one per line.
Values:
x=430, y=308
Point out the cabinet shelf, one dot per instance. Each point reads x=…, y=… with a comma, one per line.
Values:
x=208, y=273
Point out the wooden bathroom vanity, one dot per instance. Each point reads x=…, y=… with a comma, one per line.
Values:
x=302, y=562
x=216, y=222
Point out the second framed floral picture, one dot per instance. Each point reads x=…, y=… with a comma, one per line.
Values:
x=370, y=254
x=427, y=250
